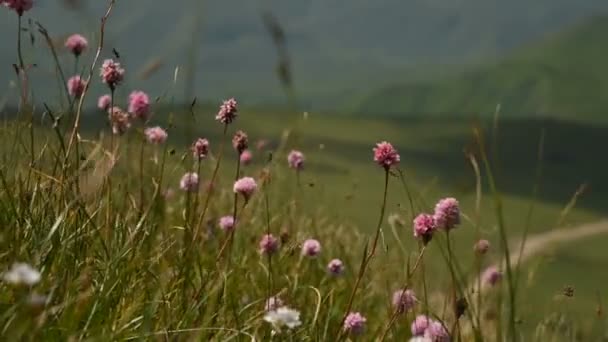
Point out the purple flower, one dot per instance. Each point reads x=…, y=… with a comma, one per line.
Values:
x=354, y=323
x=19, y=6
x=424, y=226
x=240, y=141
x=200, y=148
x=386, y=155
x=295, y=159
x=482, y=246
x=119, y=119
x=76, y=44
x=189, y=182
x=245, y=186
x=246, y=157
x=491, y=276
x=226, y=223
x=139, y=104
x=436, y=332
x=447, y=213
x=311, y=248
x=269, y=244
x=111, y=73
x=404, y=300
x=228, y=111
x=335, y=267
x=155, y=135
x=76, y=86
x=420, y=324
x=104, y=102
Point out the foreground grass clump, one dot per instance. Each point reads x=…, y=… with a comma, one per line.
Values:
x=128, y=236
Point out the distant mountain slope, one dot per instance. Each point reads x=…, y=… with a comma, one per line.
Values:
x=566, y=76
x=338, y=47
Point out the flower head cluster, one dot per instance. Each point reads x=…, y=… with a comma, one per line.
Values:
x=269, y=244
x=404, y=300
x=354, y=323
x=200, y=148
x=139, y=104
x=335, y=267
x=189, y=182
x=104, y=102
x=111, y=73
x=240, y=141
x=228, y=111
x=22, y=274
x=424, y=227
x=245, y=186
x=295, y=159
x=155, y=135
x=226, y=223
x=447, y=213
x=76, y=44
x=246, y=157
x=386, y=155
x=283, y=317
x=76, y=86
x=120, y=121
x=429, y=329
x=19, y=6
x=491, y=276
x=311, y=248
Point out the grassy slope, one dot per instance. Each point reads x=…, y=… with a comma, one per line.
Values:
x=562, y=77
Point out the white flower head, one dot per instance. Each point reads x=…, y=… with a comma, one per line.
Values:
x=22, y=274
x=283, y=316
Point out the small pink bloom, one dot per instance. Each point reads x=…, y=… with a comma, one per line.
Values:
x=273, y=303
x=447, y=213
x=19, y=6
x=335, y=267
x=482, y=246
x=76, y=86
x=111, y=73
x=76, y=44
x=200, y=148
x=155, y=135
x=246, y=157
x=104, y=102
x=355, y=323
x=240, y=141
x=226, y=223
x=245, y=186
x=139, y=104
x=386, y=155
x=228, y=111
x=295, y=159
x=269, y=244
x=424, y=226
x=491, y=275
x=420, y=324
x=119, y=119
x=436, y=332
x=404, y=300
x=311, y=248
x=189, y=182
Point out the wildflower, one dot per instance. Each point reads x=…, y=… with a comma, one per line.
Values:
x=272, y=303
x=335, y=267
x=240, y=141
x=311, y=248
x=245, y=186
x=104, y=102
x=22, y=274
x=226, y=223
x=19, y=6
x=228, y=111
x=436, y=332
x=295, y=159
x=119, y=119
x=139, y=104
x=283, y=316
x=354, y=323
x=424, y=226
x=269, y=244
x=111, y=73
x=200, y=148
x=419, y=325
x=76, y=86
x=491, y=275
x=482, y=246
x=246, y=157
x=189, y=182
x=76, y=44
x=155, y=135
x=386, y=155
x=404, y=300
x=447, y=213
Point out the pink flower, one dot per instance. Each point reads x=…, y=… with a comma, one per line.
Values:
x=482, y=246
x=155, y=135
x=269, y=244
x=76, y=44
x=240, y=141
x=104, y=102
x=200, y=148
x=355, y=323
x=386, y=155
x=335, y=267
x=228, y=111
x=311, y=248
x=491, y=275
x=19, y=6
x=245, y=186
x=447, y=213
x=139, y=104
x=111, y=73
x=424, y=226
x=246, y=157
x=404, y=300
x=295, y=159
x=119, y=119
x=189, y=182
x=226, y=223
x=273, y=303
x=420, y=324
x=436, y=332
x=76, y=86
